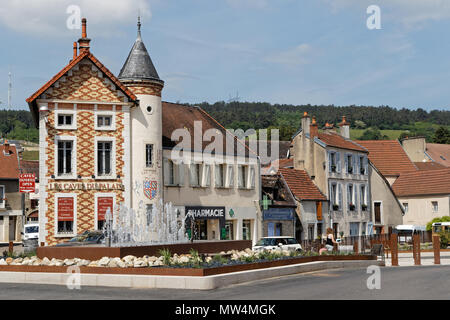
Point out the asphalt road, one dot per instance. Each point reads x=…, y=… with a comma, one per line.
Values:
x=430, y=282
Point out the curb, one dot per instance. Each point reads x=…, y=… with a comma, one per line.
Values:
x=178, y=282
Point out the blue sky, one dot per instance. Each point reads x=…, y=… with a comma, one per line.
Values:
x=286, y=51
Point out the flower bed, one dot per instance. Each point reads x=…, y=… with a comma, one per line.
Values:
x=188, y=265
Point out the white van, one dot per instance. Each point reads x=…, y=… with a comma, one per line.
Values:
x=30, y=231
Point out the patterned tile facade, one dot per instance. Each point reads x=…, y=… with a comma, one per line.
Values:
x=73, y=88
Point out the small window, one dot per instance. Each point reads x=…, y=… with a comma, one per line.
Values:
x=104, y=121
x=148, y=155
x=65, y=119
x=435, y=206
x=148, y=213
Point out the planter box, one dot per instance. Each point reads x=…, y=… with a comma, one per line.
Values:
x=193, y=272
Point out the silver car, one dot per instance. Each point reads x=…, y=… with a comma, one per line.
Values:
x=283, y=242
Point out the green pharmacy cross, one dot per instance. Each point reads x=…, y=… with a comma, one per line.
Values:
x=265, y=202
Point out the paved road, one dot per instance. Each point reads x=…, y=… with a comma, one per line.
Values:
x=430, y=282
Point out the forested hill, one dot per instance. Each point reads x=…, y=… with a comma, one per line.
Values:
x=287, y=118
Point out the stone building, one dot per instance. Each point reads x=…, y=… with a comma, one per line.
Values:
x=339, y=168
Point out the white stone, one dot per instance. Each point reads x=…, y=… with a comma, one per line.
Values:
x=3, y=262
x=129, y=258
x=152, y=259
x=69, y=262
x=112, y=263
x=103, y=261
x=45, y=261
x=121, y=264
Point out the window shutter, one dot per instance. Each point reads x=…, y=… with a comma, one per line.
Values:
x=207, y=178
x=230, y=176
x=252, y=177
x=355, y=190
x=217, y=169
x=346, y=163
x=240, y=182
x=166, y=171
x=192, y=174
x=366, y=165
x=180, y=173
x=340, y=196
x=338, y=161
x=329, y=161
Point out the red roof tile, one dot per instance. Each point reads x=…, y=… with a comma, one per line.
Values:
x=428, y=182
x=301, y=185
x=388, y=156
x=74, y=62
x=9, y=163
x=439, y=153
x=429, y=165
x=335, y=140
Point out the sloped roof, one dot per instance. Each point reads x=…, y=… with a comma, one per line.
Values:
x=177, y=116
x=139, y=65
x=73, y=63
x=9, y=163
x=30, y=166
x=335, y=140
x=419, y=183
x=301, y=185
x=439, y=153
x=429, y=165
x=388, y=156
x=275, y=187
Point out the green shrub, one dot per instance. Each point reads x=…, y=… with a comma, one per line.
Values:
x=165, y=253
x=195, y=257
x=219, y=259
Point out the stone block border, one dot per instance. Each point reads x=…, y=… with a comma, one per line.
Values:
x=178, y=282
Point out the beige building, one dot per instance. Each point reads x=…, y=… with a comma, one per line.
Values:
x=425, y=195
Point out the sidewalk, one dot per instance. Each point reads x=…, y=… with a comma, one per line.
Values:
x=426, y=259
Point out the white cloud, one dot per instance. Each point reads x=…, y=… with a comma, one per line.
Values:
x=296, y=56
x=48, y=17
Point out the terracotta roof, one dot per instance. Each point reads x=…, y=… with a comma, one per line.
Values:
x=388, y=156
x=273, y=167
x=428, y=182
x=439, y=153
x=301, y=185
x=283, y=147
x=9, y=163
x=30, y=166
x=335, y=140
x=178, y=116
x=429, y=165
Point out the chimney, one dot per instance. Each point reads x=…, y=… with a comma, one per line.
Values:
x=306, y=122
x=6, y=147
x=314, y=129
x=75, y=50
x=345, y=128
x=84, y=40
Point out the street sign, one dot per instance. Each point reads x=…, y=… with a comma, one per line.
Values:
x=27, y=182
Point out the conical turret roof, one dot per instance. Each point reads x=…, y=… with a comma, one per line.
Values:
x=139, y=65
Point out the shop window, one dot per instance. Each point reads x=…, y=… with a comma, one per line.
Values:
x=65, y=215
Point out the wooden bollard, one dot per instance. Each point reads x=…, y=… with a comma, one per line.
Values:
x=416, y=249
x=394, y=250
x=355, y=247
x=437, y=249
x=11, y=247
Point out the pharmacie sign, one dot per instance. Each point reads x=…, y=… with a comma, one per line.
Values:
x=206, y=212
x=85, y=186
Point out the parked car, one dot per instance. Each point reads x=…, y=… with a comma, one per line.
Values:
x=83, y=239
x=270, y=243
x=30, y=231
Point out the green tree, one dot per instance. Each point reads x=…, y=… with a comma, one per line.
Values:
x=442, y=135
x=373, y=134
